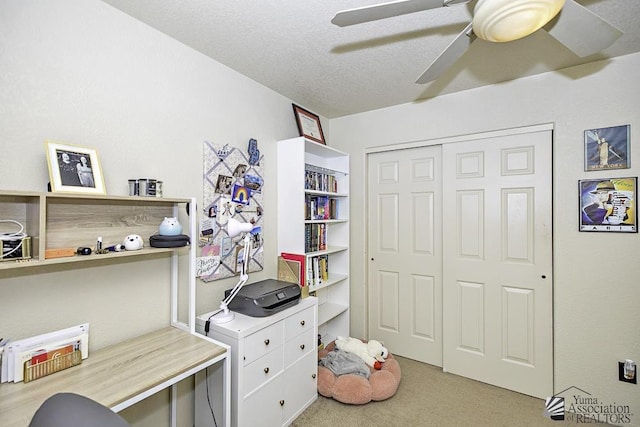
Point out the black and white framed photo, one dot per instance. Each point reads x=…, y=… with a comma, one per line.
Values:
x=607, y=148
x=74, y=169
x=608, y=205
x=308, y=124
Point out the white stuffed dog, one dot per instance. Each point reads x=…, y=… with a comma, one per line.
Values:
x=373, y=352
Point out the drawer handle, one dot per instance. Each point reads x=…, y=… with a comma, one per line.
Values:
x=313, y=376
x=266, y=342
x=282, y=403
x=302, y=323
x=301, y=346
x=266, y=370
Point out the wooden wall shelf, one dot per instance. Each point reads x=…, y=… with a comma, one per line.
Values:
x=55, y=221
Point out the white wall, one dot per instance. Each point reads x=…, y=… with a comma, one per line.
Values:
x=84, y=73
x=596, y=291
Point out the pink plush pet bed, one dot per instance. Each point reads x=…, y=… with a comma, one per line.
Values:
x=355, y=389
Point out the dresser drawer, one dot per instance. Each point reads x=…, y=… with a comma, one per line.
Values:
x=298, y=347
x=262, y=370
x=262, y=342
x=299, y=323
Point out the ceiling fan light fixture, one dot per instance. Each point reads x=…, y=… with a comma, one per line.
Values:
x=508, y=20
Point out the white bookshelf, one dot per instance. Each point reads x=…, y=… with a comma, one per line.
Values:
x=295, y=157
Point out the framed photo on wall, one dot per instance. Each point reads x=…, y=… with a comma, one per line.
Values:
x=74, y=169
x=608, y=205
x=607, y=148
x=308, y=124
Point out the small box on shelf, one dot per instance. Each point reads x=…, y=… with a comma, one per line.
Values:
x=59, y=253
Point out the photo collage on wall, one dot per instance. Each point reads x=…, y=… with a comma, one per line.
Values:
x=608, y=204
x=233, y=182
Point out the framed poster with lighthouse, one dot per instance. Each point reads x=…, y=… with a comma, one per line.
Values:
x=607, y=148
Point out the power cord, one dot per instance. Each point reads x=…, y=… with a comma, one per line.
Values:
x=206, y=381
x=207, y=323
x=17, y=235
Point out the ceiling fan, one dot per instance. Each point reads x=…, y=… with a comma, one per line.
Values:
x=573, y=25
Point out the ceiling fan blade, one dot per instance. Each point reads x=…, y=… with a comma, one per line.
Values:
x=387, y=10
x=581, y=30
x=449, y=56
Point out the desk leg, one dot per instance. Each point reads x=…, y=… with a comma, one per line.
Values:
x=227, y=390
x=173, y=410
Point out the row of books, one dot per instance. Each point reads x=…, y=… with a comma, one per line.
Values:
x=318, y=181
x=315, y=237
x=320, y=207
x=308, y=272
x=35, y=357
x=318, y=271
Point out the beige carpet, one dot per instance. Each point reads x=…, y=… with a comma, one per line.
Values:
x=429, y=397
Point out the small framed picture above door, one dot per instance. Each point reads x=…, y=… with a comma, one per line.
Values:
x=607, y=148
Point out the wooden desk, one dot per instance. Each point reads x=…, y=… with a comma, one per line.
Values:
x=117, y=376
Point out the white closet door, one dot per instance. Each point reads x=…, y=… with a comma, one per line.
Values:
x=497, y=270
x=405, y=255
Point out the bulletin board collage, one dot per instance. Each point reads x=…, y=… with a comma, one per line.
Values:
x=233, y=183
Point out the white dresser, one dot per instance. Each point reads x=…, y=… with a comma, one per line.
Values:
x=273, y=365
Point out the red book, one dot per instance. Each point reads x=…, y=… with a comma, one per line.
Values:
x=299, y=260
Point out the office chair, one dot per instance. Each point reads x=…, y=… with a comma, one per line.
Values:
x=69, y=409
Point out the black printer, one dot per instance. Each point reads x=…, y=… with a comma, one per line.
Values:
x=264, y=298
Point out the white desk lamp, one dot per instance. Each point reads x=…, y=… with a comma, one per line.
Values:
x=234, y=228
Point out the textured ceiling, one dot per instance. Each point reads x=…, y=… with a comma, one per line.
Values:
x=291, y=47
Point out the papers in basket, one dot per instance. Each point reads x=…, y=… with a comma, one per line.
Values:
x=40, y=348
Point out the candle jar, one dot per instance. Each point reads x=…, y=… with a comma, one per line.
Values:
x=158, y=188
x=134, y=187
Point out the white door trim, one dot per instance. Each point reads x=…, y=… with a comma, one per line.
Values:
x=459, y=138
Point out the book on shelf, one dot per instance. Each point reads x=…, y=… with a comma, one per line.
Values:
x=315, y=237
x=322, y=237
x=324, y=267
x=319, y=181
x=333, y=209
x=318, y=273
x=323, y=208
x=320, y=208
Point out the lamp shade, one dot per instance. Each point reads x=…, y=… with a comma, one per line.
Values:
x=235, y=227
x=507, y=20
